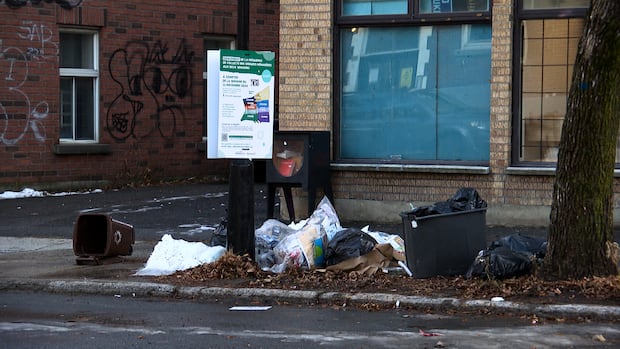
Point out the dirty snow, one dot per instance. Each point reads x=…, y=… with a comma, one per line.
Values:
x=29, y=193
x=171, y=255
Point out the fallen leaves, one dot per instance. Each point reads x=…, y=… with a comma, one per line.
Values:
x=240, y=271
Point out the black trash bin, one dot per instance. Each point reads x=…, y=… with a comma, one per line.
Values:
x=443, y=244
x=98, y=236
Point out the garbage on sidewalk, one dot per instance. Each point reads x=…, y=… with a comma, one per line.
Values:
x=511, y=256
x=321, y=242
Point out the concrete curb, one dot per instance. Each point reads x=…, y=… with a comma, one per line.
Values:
x=151, y=289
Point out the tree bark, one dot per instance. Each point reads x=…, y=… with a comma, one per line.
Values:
x=580, y=240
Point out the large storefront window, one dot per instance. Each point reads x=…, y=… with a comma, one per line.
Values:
x=416, y=92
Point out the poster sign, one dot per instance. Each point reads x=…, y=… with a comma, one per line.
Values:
x=240, y=100
x=442, y=6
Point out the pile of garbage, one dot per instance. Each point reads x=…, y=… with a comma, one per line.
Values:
x=321, y=242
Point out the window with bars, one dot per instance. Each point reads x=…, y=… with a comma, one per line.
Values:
x=546, y=46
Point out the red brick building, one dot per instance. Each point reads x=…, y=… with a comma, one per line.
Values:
x=113, y=91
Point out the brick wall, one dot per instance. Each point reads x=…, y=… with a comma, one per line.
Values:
x=149, y=39
x=501, y=81
x=305, y=65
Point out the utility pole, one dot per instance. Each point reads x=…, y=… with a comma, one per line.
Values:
x=240, y=229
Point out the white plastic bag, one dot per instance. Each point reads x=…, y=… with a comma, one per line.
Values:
x=266, y=238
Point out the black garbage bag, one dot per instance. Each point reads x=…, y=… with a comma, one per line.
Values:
x=529, y=245
x=436, y=208
x=510, y=256
x=345, y=244
x=466, y=199
x=463, y=200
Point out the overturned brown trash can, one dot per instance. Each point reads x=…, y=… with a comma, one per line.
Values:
x=99, y=239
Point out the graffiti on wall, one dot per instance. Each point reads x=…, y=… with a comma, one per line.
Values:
x=66, y=4
x=153, y=82
x=18, y=114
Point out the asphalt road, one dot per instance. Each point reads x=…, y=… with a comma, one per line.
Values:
x=38, y=320
x=190, y=211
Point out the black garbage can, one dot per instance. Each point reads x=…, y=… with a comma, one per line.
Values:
x=99, y=236
x=443, y=244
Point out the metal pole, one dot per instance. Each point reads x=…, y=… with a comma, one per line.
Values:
x=240, y=231
x=243, y=24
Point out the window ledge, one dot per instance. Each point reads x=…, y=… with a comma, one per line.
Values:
x=81, y=149
x=411, y=168
x=540, y=171
x=531, y=171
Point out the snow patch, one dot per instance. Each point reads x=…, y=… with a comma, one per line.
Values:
x=171, y=255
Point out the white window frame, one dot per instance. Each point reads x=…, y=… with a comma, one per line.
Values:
x=91, y=73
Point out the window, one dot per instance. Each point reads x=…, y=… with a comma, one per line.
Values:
x=549, y=50
x=374, y=7
x=415, y=93
x=78, y=86
x=555, y=4
x=546, y=47
x=446, y=6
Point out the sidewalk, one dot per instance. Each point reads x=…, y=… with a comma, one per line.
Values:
x=35, y=262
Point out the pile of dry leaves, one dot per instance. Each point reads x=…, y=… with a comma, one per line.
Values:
x=240, y=271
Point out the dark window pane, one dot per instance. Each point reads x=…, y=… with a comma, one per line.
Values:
x=84, y=109
x=76, y=51
x=66, y=108
x=373, y=7
x=449, y=6
x=551, y=4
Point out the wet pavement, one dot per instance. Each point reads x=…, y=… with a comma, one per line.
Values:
x=188, y=211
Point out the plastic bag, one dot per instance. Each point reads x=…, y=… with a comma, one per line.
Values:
x=397, y=242
x=524, y=244
x=324, y=216
x=266, y=238
x=464, y=199
x=347, y=243
x=510, y=256
x=288, y=253
x=296, y=244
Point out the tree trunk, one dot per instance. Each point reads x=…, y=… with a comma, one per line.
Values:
x=581, y=230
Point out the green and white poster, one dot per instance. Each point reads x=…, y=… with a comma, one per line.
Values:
x=241, y=86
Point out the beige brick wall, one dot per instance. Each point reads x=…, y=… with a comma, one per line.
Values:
x=501, y=76
x=305, y=65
